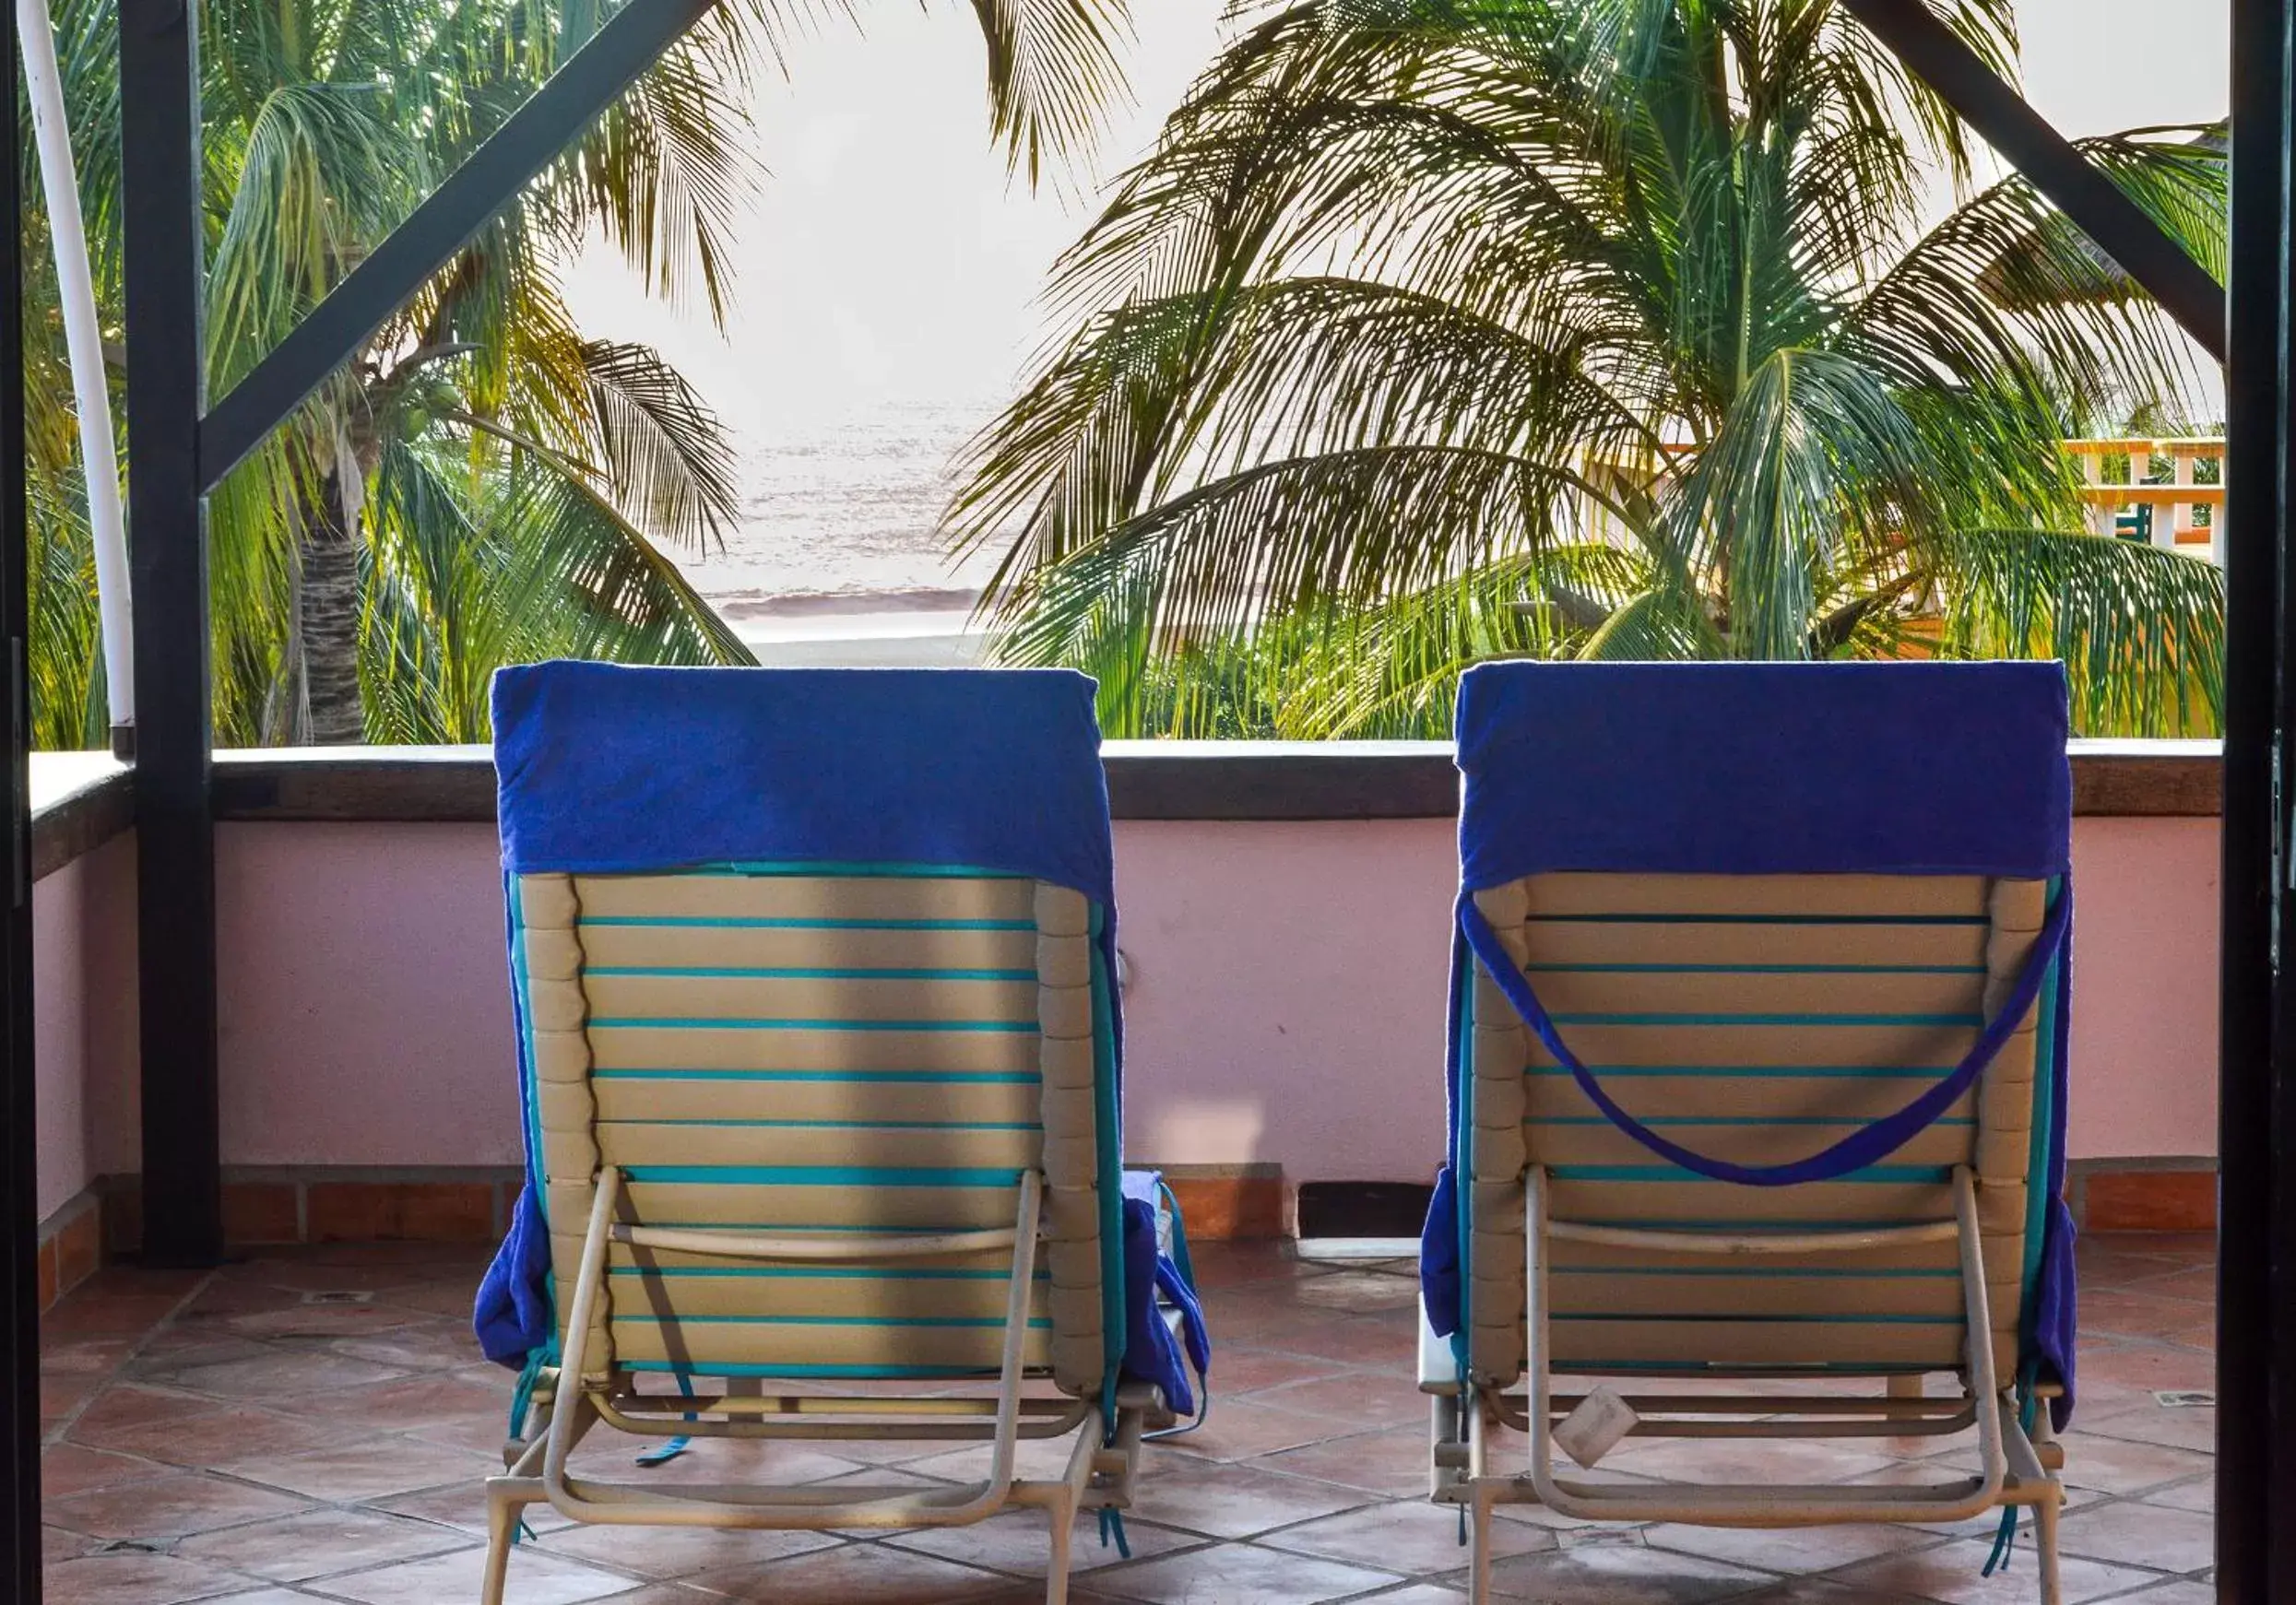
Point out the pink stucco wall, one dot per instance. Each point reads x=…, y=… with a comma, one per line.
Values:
x=84, y=1021
x=363, y=1008
x=1286, y=993
x=59, y=1037
x=2145, y=988
x=1286, y=998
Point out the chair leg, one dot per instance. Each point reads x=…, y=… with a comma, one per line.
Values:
x=2045, y=1546
x=501, y=1527
x=1057, y=1562
x=1446, y=1443
x=1062, y=1507
x=1479, y=1519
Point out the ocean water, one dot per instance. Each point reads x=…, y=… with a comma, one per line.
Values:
x=839, y=531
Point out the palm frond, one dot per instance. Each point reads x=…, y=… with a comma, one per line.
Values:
x=2140, y=629
x=668, y=174
x=1348, y=528
x=607, y=591
x=2004, y=294
x=1816, y=451
x=323, y=171
x=1417, y=297
x=1393, y=671
x=1055, y=68
x=663, y=455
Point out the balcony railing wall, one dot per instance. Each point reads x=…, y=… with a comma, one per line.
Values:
x=1285, y=997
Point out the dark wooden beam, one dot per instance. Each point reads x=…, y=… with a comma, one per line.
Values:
x=163, y=222
x=2253, y=1360
x=2006, y=121
x=585, y=85
x=19, y=1146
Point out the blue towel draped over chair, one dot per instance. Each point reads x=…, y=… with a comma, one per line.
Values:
x=607, y=770
x=1772, y=769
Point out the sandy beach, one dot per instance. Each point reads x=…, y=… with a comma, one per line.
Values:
x=912, y=639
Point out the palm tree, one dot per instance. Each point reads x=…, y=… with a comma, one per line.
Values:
x=1434, y=330
x=483, y=483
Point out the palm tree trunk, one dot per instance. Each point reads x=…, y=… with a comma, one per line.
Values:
x=326, y=613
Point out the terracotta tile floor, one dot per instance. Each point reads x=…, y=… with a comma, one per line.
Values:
x=245, y=1437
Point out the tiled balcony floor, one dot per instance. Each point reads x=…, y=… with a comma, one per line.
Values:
x=218, y=1438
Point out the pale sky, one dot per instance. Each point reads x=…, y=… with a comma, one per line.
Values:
x=891, y=262
x=890, y=259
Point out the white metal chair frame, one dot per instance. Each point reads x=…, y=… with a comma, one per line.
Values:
x=1099, y=1473
x=2015, y=1468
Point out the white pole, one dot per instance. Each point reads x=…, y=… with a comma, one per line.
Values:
x=98, y=455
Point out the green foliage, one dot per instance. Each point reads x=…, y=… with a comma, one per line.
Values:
x=512, y=486
x=1434, y=330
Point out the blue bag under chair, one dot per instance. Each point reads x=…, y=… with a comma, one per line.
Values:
x=1756, y=1073
x=820, y=1055
x=1167, y=1340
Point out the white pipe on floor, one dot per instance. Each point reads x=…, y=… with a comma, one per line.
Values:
x=99, y=460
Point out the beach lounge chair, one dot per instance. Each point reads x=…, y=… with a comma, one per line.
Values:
x=819, y=1052
x=1756, y=1085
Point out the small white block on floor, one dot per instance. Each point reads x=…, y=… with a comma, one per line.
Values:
x=1593, y=1430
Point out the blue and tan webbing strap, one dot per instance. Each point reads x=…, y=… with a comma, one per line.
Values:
x=1867, y=1146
